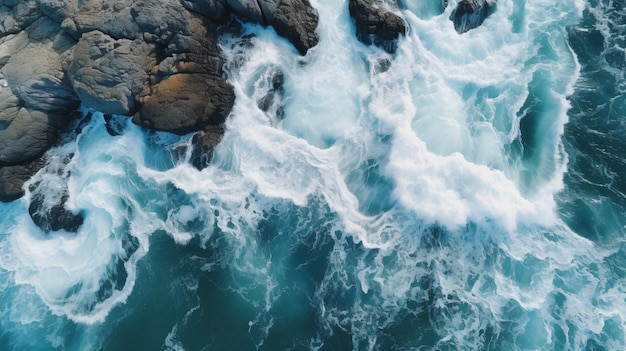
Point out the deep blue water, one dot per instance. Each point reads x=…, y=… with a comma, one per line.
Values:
x=466, y=193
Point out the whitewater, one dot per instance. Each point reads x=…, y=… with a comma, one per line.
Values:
x=449, y=196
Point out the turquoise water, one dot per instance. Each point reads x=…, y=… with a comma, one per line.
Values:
x=466, y=193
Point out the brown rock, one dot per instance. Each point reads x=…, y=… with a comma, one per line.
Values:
x=185, y=103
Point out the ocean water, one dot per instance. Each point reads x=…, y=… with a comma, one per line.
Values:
x=466, y=193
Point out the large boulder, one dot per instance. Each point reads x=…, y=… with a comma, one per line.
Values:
x=185, y=103
x=377, y=25
x=470, y=14
x=8, y=24
x=35, y=74
x=26, y=134
x=187, y=91
x=107, y=74
x=295, y=20
x=37, y=98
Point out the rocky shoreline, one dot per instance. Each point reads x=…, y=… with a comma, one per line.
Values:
x=156, y=61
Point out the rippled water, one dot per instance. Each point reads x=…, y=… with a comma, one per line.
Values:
x=466, y=193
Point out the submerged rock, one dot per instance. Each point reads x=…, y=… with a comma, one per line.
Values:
x=49, y=195
x=53, y=217
x=203, y=145
x=376, y=24
x=271, y=90
x=113, y=125
x=470, y=14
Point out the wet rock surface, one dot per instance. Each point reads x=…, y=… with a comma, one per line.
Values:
x=155, y=61
x=53, y=217
x=376, y=24
x=470, y=14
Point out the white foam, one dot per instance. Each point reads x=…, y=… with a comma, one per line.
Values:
x=462, y=240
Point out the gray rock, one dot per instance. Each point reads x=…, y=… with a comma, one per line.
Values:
x=113, y=18
x=8, y=24
x=215, y=10
x=35, y=74
x=108, y=74
x=25, y=13
x=12, y=179
x=377, y=25
x=9, y=3
x=34, y=105
x=295, y=20
x=11, y=44
x=35, y=100
x=58, y=10
x=470, y=14
x=27, y=134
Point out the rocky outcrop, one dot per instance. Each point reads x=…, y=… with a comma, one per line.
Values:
x=376, y=24
x=36, y=100
x=107, y=74
x=155, y=60
x=470, y=14
x=295, y=20
x=188, y=83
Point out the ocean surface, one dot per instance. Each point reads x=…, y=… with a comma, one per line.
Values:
x=466, y=193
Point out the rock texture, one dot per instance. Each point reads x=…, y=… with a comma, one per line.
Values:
x=376, y=24
x=295, y=20
x=12, y=178
x=107, y=74
x=154, y=60
x=470, y=14
x=35, y=97
x=55, y=217
x=203, y=145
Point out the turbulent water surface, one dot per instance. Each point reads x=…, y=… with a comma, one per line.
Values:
x=466, y=193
